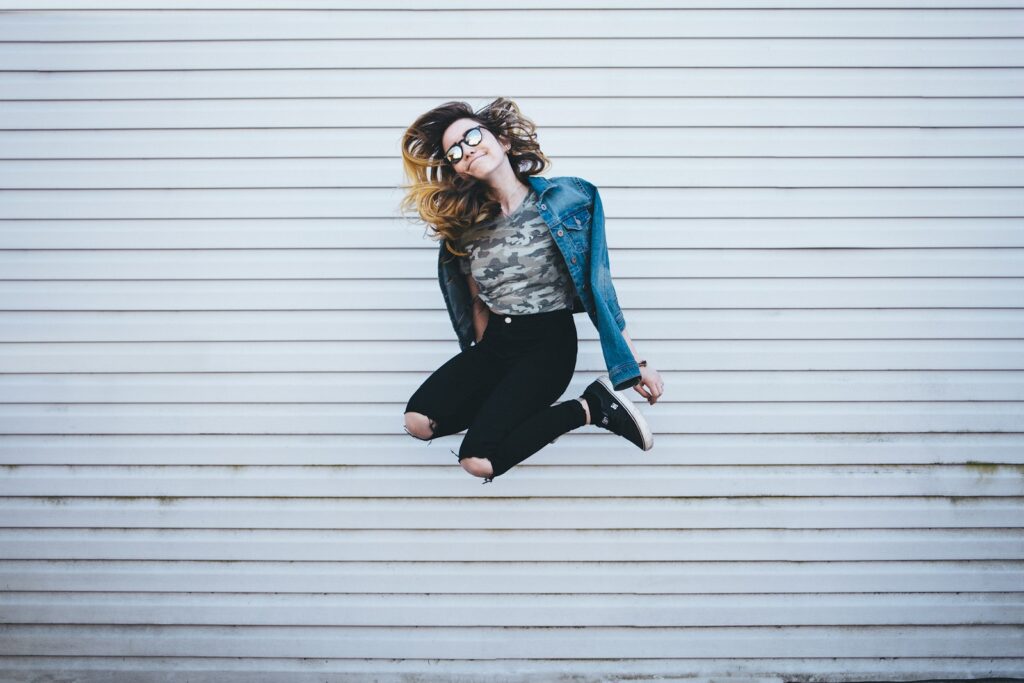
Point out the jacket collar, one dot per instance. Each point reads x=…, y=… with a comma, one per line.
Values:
x=540, y=184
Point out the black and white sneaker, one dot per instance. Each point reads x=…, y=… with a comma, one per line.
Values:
x=617, y=414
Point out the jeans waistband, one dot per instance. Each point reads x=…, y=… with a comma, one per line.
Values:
x=529, y=327
x=531, y=317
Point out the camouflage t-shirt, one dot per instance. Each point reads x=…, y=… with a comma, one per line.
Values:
x=517, y=263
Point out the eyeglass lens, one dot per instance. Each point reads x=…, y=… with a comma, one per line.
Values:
x=473, y=138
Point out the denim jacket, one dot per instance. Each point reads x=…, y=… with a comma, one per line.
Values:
x=572, y=209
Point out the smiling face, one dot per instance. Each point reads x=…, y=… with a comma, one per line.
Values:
x=477, y=161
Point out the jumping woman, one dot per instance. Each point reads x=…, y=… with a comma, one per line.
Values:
x=518, y=255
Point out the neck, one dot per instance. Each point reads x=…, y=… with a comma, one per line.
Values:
x=507, y=188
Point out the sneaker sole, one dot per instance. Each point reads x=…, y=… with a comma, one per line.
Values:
x=638, y=418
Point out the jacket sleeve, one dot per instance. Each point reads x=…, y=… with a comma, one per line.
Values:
x=456, y=294
x=603, y=271
x=623, y=369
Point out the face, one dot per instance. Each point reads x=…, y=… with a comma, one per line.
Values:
x=477, y=161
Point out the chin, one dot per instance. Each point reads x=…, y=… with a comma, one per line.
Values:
x=481, y=167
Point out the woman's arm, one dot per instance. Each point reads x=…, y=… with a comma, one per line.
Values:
x=651, y=386
x=632, y=347
x=481, y=314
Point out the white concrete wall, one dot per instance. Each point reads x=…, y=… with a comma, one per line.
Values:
x=211, y=316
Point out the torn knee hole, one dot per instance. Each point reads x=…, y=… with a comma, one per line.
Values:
x=413, y=435
x=478, y=467
x=432, y=426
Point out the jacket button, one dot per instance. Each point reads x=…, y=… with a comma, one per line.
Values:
x=560, y=233
x=543, y=206
x=574, y=259
x=508, y=319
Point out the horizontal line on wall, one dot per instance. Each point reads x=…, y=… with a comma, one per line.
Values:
x=210, y=188
x=752, y=67
x=501, y=38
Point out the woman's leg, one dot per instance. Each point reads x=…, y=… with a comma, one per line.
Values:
x=517, y=418
x=446, y=402
x=536, y=432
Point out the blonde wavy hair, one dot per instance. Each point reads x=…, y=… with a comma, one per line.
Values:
x=444, y=200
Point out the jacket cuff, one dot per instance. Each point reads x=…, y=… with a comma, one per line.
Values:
x=625, y=376
x=626, y=383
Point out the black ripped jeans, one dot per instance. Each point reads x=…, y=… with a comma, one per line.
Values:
x=501, y=390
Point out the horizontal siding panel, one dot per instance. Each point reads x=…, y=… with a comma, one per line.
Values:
x=466, y=5
x=766, y=202
x=274, y=264
x=562, y=51
x=665, y=172
x=685, y=577
x=646, y=611
x=391, y=233
x=419, y=295
x=515, y=642
x=559, y=142
x=309, y=24
x=775, y=323
x=581, y=448
x=429, y=480
x=472, y=669
x=528, y=82
x=418, y=356
x=671, y=417
x=301, y=670
x=577, y=111
x=508, y=545
x=574, y=512
x=396, y=387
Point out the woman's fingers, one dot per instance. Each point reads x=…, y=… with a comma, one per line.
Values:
x=646, y=393
x=650, y=387
x=656, y=390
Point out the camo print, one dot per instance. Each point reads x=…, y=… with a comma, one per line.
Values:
x=517, y=263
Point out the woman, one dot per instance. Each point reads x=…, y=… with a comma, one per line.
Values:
x=518, y=255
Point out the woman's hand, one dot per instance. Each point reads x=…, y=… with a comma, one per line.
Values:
x=651, y=387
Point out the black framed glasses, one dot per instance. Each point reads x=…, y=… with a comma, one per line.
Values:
x=474, y=136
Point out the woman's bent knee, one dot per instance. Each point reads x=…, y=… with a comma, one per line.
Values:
x=478, y=467
x=419, y=425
